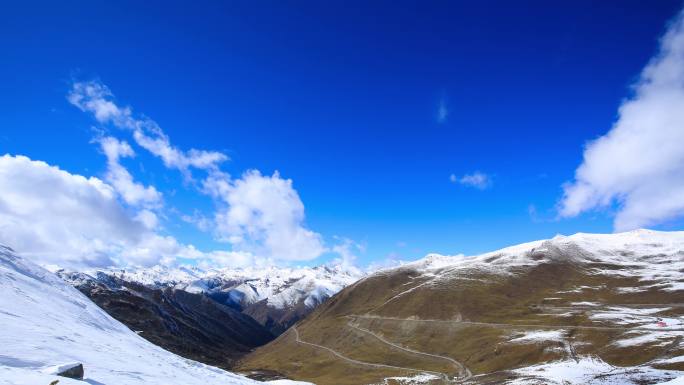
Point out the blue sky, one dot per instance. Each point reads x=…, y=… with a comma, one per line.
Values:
x=405, y=127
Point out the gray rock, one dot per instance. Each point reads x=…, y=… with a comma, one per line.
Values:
x=72, y=371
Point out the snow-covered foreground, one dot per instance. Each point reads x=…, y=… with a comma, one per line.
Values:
x=45, y=322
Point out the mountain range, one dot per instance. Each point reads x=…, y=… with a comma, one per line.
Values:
x=48, y=325
x=582, y=309
x=213, y=316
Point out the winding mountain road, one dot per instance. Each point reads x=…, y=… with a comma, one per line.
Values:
x=464, y=373
x=444, y=376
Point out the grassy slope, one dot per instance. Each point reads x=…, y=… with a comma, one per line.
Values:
x=518, y=299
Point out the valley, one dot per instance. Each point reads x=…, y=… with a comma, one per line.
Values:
x=582, y=309
x=212, y=316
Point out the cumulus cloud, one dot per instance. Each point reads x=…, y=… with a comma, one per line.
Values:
x=60, y=218
x=51, y=213
x=638, y=166
x=263, y=215
x=96, y=98
x=477, y=180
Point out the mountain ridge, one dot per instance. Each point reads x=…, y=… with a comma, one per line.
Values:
x=602, y=307
x=275, y=297
x=47, y=323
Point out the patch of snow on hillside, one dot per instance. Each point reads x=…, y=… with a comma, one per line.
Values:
x=676, y=381
x=640, y=338
x=537, y=336
x=422, y=378
x=589, y=371
x=641, y=317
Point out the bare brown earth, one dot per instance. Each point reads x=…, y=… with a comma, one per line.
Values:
x=459, y=324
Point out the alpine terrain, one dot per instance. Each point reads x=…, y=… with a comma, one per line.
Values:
x=581, y=309
x=212, y=316
x=48, y=326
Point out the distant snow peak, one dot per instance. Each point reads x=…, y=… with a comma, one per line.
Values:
x=646, y=254
x=279, y=287
x=46, y=322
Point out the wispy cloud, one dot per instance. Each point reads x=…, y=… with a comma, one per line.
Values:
x=348, y=251
x=477, y=179
x=96, y=98
x=114, y=220
x=639, y=164
x=442, y=111
x=258, y=216
x=133, y=193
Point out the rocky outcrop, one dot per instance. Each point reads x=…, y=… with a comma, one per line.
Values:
x=72, y=371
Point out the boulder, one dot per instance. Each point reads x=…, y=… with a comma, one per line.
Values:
x=71, y=370
x=75, y=371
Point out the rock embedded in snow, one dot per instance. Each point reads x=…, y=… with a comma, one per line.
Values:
x=71, y=370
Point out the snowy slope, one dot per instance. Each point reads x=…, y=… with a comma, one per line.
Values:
x=649, y=255
x=654, y=258
x=46, y=322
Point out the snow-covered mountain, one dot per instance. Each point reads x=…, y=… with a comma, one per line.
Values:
x=46, y=323
x=275, y=297
x=279, y=287
x=650, y=256
x=579, y=309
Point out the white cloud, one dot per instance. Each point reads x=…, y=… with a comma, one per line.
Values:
x=391, y=261
x=477, y=180
x=50, y=213
x=133, y=193
x=639, y=164
x=442, y=112
x=96, y=98
x=263, y=215
x=232, y=259
x=199, y=220
x=56, y=217
x=347, y=250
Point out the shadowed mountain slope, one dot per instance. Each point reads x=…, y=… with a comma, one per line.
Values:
x=275, y=297
x=188, y=324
